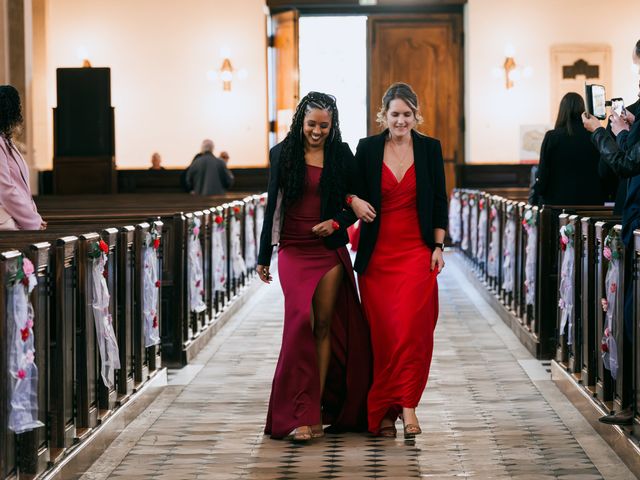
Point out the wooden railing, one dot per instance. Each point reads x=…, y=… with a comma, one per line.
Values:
x=73, y=400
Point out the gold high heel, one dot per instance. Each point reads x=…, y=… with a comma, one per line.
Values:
x=300, y=434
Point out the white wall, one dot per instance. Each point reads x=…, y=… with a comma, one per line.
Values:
x=493, y=114
x=160, y=52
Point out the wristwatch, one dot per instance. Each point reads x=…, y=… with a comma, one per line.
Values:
x=438, y=245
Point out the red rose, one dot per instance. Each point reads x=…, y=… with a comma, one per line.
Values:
x=236, y=209
x=105, y=273
x=155, y=321
x=218, y=220
x=158, y=283
x=25, y=334
x=25, y=281
x=103, y=247
x=604, y=347
x=22, y=374
x=156, y=244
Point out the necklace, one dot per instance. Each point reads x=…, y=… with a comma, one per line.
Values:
x=395, y=151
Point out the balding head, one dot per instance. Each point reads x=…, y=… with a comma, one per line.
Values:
x=207, y=146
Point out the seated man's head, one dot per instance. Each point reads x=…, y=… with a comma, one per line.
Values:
x=207, y=146
x=156, y=159
x=224, y=156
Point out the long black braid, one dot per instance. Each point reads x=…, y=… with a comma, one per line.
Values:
x=292, y=174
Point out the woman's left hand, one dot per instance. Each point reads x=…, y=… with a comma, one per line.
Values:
x=437, y=258
x=323, y=229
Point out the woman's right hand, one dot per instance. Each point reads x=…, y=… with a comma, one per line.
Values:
x=363, y=209
x=263, y=273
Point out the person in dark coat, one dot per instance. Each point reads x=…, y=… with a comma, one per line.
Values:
x=208, y=174
x=568, y=170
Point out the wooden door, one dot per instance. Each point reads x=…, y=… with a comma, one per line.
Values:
x=283, y=73
x=426, y=52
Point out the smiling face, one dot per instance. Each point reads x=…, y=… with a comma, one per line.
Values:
x=400, y=118
x=316, y=127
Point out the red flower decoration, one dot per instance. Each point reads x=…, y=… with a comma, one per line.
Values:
x=236, y=209
x=604, y=347
x=198, y=283
x=25, y=281
x=156, y=244
x=201, y=292
x=563, y=246
x=105, y=273
x=25, y=334
x=155, y=321
x=22, y=374
x=218, y=220
x=103, y=246
x=158, y=283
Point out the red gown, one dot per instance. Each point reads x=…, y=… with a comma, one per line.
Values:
x=400, y=298
x=303, y=260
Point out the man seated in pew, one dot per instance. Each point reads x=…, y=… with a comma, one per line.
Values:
x=567, y=152
x=625, y=127
x=17, y=208
x=156, y=161
x=208, y=174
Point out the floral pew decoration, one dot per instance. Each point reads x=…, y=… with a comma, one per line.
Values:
x=105, y=335
x=567, y=279
x=473, y=228
x=219, y=254
x=196, y=277
x=455, y=212
x=482, y=231
x=531, y=251
x=494, y=242
x=150, y=288
x=238, y=265
x=613, y=252
x=508, y=250
x=465, y=223
x=23, y=408
x=250, y=236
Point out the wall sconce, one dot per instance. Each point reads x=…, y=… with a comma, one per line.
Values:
x=226, y=74
x=510, y=70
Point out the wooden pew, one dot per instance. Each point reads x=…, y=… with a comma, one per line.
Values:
x=636, y=312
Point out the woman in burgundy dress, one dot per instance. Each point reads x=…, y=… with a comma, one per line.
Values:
x=323, y=372
x=402, y=202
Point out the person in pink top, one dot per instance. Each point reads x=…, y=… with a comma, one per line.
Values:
x=17, y=208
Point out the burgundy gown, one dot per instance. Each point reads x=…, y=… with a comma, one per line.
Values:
x=400, y=300
x=303, y=260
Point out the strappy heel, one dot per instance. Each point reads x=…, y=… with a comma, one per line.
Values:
x=300, y=435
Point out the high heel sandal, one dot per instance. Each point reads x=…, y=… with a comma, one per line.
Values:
x=317, y=431
x=410, y=429
x=388, y=431
x=300, y=435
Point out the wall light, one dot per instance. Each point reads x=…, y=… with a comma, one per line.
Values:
x=226, y=74
x=510, y=69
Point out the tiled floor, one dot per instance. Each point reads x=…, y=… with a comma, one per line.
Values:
x=489, y=411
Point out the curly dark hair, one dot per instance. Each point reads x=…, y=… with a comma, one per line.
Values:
x=10, y=110
x=292, y=173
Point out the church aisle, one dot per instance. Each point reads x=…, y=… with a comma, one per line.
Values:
x=489, y=411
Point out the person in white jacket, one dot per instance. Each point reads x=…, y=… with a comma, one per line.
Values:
x=17, y=208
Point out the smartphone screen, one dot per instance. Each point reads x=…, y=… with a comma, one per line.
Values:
x=617, y=105
x=598, y=101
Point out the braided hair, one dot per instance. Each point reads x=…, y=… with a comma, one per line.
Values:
x=292, y=172
x=10, y=110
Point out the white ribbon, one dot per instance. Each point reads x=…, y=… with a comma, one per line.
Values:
x=219, y=257
x=465, y=226
x=259, y=216
x=482, y=234
x=105, y=336
x=530, y=264
x=494, y=243
x=250, y=237
x=23, y=408
x=150, y=294
x=567, y=276
x=474, y=229
x=238, y=266
x=508, y=264
x=610, y=358
x=455, y=226
x=196, y=278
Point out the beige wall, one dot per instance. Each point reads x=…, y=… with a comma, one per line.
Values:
x=493, y=114
x=159, y=52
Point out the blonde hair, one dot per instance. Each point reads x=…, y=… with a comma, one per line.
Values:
x=401, y=91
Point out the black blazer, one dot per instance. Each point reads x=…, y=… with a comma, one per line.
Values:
x=344, y=216
x=568, y=172
x=431, y=189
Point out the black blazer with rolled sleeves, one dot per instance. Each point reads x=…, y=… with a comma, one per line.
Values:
x=431, y=189
x=343, y=216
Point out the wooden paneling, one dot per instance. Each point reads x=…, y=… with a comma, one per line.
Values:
x=424, y=51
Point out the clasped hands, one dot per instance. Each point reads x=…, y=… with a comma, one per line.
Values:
x=618, y=122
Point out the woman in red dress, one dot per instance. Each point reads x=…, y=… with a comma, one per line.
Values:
x=323, y=372
x=402, y=202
